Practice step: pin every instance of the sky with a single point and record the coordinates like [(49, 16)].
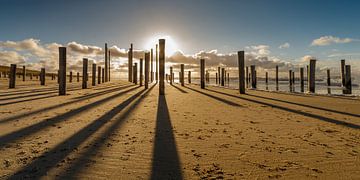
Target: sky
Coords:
[(270, 31)]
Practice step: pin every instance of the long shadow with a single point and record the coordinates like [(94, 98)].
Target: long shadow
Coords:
[(13, 136), (51, 158), (322, 118), (308, 106), (78, 99), (214, 97), (77, 165), (165, 161), (181, 90)]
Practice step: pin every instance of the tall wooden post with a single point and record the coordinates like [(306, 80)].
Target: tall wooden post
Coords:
[(241, 64), (247, 76), (311, 76), (71, 76), (23, 73), (151, 65), (58, 74), (277, 77), (182, 74), (93, 74), (130, 63), (173, 79), (157, 64), (293, 78), (228, 79), (42, 77), (189, 77), (290, 80), (219, 75), (162, 66), (222, 76), (62, 71), (141, 71), (171, 75), (147, 64), (85, 73), (12, 76), (302, 79), (342, 72), (216, 78), (109, 64), (348, 86), (202, 73), (78, 77), (253, 77), (103, 75), (328, 77), (135, 73), (99, 74), (179, 77), (106, 64)]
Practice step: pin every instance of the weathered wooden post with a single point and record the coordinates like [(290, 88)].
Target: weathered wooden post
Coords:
[(311, 76), (247, 76), (302, 79), (328, 77), (222, 76), (77, 77), (253, 77), (62, 71), (130, 63), (135, 73), (103, 75), (171, 75), (58, 74), (23, 73), (157, 59), (267, 80), (348, 86), (162, 66), (84, 74), (141, 71), (12, 76), (173, 79), (31, 76), (93, 74), (147, 64), (106, 64), (216, 78), (151, 65), (179, 77), (290, 80), (182, 74), (277, 78), (202, 73), (42, 77), (219, 75), (293, 78), (228, 79), (71, 76), (99, 74), (189, 77), (343, 72), (241, 64), (109, 63)]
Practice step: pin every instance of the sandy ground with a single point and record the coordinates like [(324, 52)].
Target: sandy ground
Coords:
[(121, 131)]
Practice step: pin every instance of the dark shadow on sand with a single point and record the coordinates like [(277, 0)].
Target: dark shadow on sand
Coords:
[(181, 90)]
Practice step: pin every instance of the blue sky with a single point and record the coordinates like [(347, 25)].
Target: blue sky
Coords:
[(195, 25)]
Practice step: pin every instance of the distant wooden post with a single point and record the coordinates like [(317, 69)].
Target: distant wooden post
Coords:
[(216, 78), (31, 76), (71, 76), (253, 77), (157, 59), (135, 74), (328, 77), (151, 65), (42, 77), (348, 86), (182, 74), (228, 79), (52, 77), (93, 78), (189, 77), (219, 75), (162, 66), (290, 80), (171, 75), (343, 72), (106, 64), (246, 76), (302, 79), (130, 63), (77, 77), (147, 64), (179, 77), (277, 77), (12, 76), (202, 73), (103, 75), (62, 71), (241, 64), (23, 73), (173, 79), (311, 76), (85, 73), (293, 78), (109, 64), (222, 76), (99, 74), (141, 71)]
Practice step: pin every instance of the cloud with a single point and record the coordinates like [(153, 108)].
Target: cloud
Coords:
[(31, 45), (84, 49), (327, 40), (284, 46), (306, 58), (11, 57), (343, 54)]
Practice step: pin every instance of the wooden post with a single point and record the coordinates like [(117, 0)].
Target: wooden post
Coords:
[(302, 79), (189, 77), (58, 74), (162, 66), (141, 71), (202, 73), (157, 59), (216, 78), (109, 63), (147, 64), (78, 77), (343, 72), (99, 74), (42, 78), (23, 73), (179, 77), (31, 76), (277, 77), (222, 76), (151, 65), (241, 64), (93, 74), (290, 80), (130, 63), (219, 74), (71, 76), (253, 77), (171, 75), (293, 78), (247, 76), (228, 79), (135, 74), (311, 76), (103, 75), (106, 64), (173, 79), (84, 74), (348, 86), (182, 74), (62, 71), (328, 77), (12, 77)]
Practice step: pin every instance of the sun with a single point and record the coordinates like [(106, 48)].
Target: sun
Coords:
[(170, 44)]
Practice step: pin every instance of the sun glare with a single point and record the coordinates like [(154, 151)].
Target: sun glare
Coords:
[(170, 45)]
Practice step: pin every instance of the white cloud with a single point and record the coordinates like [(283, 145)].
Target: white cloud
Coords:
[(327, 40), (284, 46), (307, 58), (11, 57)]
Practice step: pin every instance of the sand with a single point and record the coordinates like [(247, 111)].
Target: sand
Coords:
[(120, 131)]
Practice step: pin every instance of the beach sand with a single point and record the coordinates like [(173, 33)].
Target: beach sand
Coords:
[(119, 130)]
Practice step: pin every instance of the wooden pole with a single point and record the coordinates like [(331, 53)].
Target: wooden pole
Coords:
[(93, 74), (106, 64), (328, 77), (31, 76), (311, 76), (109, 64), (71, 76), (78, 77), (147, 64), (302, 79), (253, 77), (241, 64), (84, 74), (151, 65), (23, 73), (103, 75), (216, 78), (62, 71), (277, 77), (182, 74), (348, 86), (12, 77), (219, 74), (343, 72), (141, 71), (157, 63), (42, 77), (222, 76), (290, 80), (162, 66), (171, 75), (99, 74), (189, 77), (130, 63), (135, 74), (202, 73), (246, 76), (293, 78)]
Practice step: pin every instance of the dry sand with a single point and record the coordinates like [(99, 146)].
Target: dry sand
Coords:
[(121, 131)]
